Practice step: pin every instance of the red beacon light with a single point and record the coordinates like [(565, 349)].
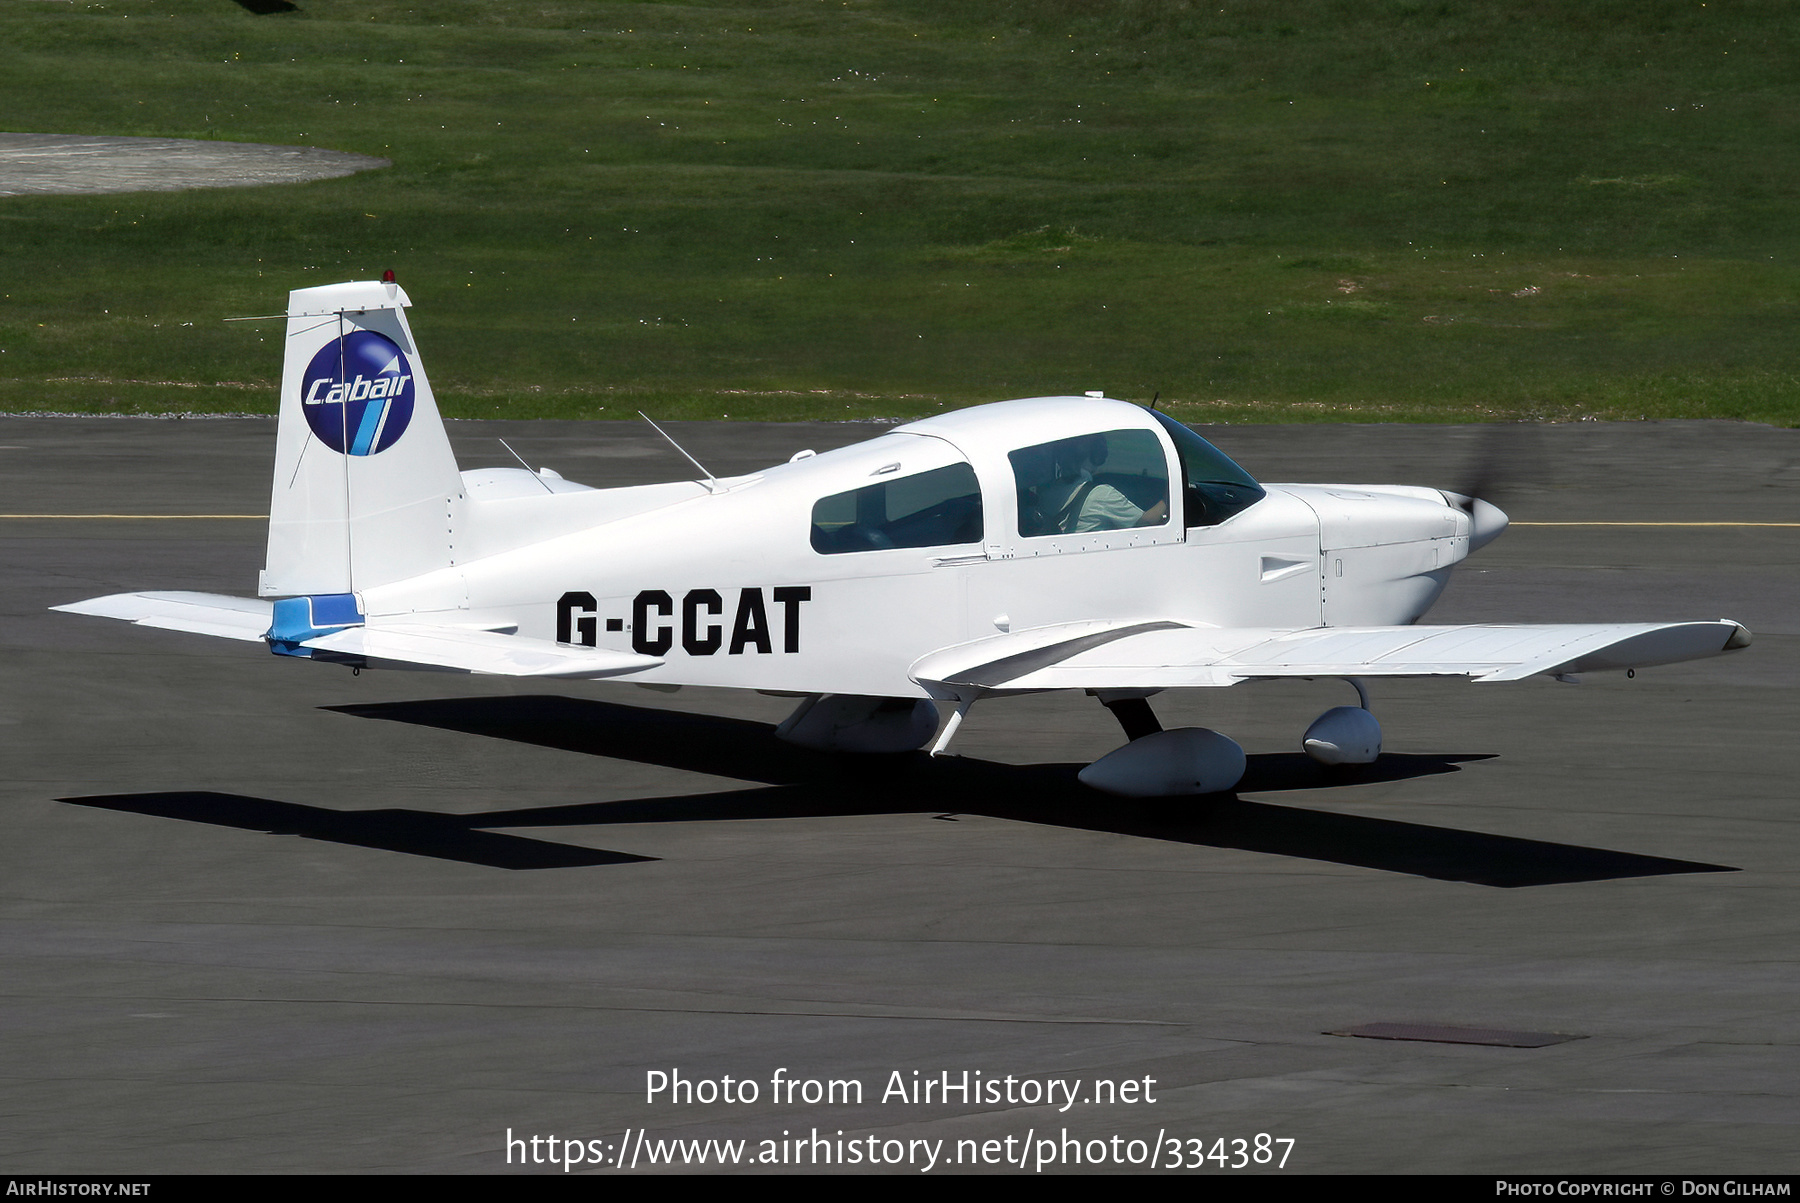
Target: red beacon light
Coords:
[(387, 277)]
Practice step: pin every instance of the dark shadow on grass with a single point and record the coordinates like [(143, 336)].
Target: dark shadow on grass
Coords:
[(266, 8), (806, 784)]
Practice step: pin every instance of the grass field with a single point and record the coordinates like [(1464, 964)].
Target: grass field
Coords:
[(1306, 210)]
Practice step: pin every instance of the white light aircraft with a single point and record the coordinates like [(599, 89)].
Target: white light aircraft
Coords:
[(1053, 543)]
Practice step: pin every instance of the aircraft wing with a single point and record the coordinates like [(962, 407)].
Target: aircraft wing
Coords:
[(408, 645), (1168, 655)]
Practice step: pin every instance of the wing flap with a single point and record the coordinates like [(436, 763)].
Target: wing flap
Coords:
[(1170, 656), (458, 649)]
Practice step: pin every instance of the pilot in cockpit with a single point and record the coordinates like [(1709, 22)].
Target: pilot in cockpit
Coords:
[(1073, 502)]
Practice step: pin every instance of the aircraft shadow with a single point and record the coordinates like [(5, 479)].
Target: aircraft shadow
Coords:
[(418, 832), (804, 784)]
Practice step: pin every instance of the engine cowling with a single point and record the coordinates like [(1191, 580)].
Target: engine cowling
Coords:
[(1169, 764)]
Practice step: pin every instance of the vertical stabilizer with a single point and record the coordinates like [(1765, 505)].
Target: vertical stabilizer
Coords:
[(365, 480)]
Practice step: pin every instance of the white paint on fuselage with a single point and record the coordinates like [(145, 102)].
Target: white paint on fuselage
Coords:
[(1386, 550), (1377, 555)]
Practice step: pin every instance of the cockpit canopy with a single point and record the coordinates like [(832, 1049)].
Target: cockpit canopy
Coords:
[(1107, 468)]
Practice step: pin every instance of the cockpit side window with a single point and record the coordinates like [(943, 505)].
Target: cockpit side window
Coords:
[(927, 509), (1092, 482), (1217, 489)]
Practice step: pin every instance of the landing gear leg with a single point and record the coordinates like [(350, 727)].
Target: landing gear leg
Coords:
[(1134, 714), (963, 702)]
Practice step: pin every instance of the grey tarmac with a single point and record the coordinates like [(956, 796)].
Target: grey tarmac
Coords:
[(259, 915)]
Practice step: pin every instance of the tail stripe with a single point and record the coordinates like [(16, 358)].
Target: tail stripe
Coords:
[(370, 427)]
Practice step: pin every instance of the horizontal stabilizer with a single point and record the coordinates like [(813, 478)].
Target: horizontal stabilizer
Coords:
[(406, 645), (1170, 656), (454, 649), (200, 613)]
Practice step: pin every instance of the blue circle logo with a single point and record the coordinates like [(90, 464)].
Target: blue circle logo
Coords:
[(357, 393)]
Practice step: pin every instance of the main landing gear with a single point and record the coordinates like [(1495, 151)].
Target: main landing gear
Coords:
[(1195, 760), (1154, 764)]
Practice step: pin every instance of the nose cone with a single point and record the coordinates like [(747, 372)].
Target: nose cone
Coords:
[(1487, 521)]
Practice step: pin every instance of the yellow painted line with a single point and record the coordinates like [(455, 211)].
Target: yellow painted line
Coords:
[(1784, 524)]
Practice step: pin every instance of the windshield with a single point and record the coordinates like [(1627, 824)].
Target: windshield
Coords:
[(1217, 489)]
